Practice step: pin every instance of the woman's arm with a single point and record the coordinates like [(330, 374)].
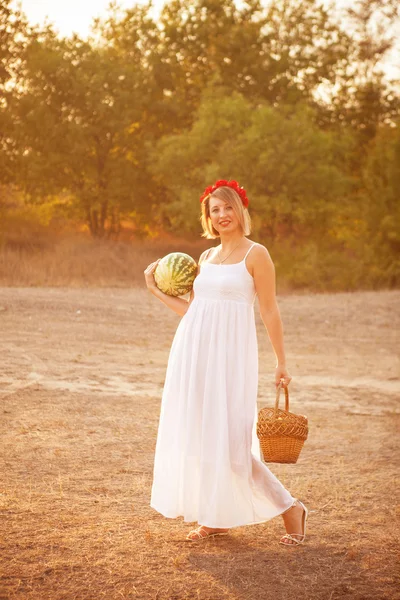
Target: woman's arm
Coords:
[(263, 271), (178, 305)]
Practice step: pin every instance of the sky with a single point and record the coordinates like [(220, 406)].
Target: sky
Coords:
[(76, 16), (70, 16)]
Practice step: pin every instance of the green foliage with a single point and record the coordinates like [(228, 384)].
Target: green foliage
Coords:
[(83, 130), (24, 226), (288, 165), (13, 38), (380, 198)]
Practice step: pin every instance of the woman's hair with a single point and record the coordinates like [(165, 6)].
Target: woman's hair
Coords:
[(229, 195)]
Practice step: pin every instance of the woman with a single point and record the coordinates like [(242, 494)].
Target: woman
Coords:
[(207, 465)]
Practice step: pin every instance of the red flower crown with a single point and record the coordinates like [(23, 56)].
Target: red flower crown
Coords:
[(232, 184)]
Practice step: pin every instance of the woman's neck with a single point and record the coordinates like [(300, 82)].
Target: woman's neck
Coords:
[(228, 242)]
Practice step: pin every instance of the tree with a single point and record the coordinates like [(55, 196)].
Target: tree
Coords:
[(292, 170), (364, 98), (14, 31), (275, 54), (379, 200), (80, 116)]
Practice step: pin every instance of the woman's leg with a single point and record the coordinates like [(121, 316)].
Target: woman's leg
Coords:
[(293, 520)]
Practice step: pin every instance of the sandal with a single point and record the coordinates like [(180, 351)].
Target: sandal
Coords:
[(201, 534), (302, 536)]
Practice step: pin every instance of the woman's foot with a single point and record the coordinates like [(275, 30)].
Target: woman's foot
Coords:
[(295, 521), (203, 532)]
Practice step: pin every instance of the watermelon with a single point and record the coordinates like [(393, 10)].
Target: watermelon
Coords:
[(175, 273)]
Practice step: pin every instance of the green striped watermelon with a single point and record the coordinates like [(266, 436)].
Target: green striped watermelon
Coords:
[(175, 274)]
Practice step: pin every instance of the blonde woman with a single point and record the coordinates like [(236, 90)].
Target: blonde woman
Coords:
[(207, 465)]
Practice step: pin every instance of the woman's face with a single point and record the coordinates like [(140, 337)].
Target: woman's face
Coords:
[(223, 216)]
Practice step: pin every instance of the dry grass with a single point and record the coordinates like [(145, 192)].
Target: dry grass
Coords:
[(72, 260), (81, 381), (77, 261), (66, 258)]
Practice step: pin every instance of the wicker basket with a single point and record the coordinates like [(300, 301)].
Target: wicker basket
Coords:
[(281, 433)]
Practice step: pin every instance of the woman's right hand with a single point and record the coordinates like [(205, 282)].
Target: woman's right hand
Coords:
[(149, 275)]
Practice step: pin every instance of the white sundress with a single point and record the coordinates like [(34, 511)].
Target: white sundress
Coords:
[(207, 465)]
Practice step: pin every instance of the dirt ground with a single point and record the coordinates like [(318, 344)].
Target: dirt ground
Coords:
[(81, 379)]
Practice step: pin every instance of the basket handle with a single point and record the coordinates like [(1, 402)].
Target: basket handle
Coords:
[(278, 391)]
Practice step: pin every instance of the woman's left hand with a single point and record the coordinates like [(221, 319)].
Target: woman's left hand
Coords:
[(281, 373)]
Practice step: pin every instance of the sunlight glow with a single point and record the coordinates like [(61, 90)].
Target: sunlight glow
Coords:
[(69, 16)]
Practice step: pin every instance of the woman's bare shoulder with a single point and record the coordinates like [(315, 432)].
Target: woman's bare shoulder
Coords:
[(259, 255), (259, 249)]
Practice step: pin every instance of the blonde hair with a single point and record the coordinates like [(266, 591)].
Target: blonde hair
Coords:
[(233, 199)]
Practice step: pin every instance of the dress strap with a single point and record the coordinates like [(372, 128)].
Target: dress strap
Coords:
[(207, 255), (248, 251)]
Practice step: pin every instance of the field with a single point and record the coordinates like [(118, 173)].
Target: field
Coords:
[(81, 379)]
